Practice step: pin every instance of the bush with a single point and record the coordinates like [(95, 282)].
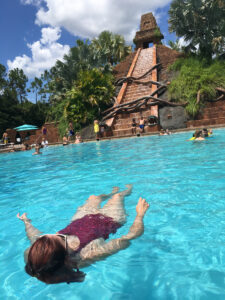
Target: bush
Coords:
[(193, 76), (90, 95)]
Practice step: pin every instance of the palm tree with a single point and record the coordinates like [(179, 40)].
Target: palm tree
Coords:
[(201, 23), (110, 48)]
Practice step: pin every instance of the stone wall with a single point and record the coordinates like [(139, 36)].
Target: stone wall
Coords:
[(213, 114), (123, 67), (36, 135), (166, 57), (172, 117), (148, 22)]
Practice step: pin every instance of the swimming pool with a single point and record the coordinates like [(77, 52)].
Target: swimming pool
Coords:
[(182, 252)]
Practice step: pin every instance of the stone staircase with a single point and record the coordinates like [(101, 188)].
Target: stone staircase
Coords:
[(212, 115), (122, 123)]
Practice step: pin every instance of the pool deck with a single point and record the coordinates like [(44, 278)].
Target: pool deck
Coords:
[(10, 148)]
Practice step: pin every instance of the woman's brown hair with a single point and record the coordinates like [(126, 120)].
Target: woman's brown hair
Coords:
[(45, 257)]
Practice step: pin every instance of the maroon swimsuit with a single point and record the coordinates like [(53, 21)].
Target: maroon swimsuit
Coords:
[(91, 227)]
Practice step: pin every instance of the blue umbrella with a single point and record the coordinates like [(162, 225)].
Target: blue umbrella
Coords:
[(26, 127)]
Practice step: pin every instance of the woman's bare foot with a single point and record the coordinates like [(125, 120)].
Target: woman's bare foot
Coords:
[(128, 191)]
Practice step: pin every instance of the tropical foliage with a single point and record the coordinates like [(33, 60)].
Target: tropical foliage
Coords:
[(201, 23), (75, 89), (109, 48), (176, 45), (81, 86), (89, 95), (196, 76), (15, 109)]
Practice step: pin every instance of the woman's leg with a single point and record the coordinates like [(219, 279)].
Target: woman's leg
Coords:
[(114, 208), (92, 204)]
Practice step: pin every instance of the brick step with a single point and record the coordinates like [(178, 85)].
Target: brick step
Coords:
[(215, 104), (135, 115), (122, 132), (212, 115), (127, 124), (214, 109), (122, 126), (133, 96), (128, 131), (143, 89), (206, 122)]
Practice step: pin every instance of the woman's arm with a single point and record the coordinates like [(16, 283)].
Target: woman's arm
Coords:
[(137, 227), (31, 231), (98, 249)]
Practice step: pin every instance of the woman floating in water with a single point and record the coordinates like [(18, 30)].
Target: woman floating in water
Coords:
[(52, 257)]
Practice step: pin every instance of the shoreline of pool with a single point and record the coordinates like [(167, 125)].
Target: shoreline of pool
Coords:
[(9, 150)]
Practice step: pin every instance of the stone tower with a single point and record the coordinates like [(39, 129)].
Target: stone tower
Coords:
[(149, 32)]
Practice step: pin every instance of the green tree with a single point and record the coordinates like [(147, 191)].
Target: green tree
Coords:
[(15, 109), (17, 83), (90, 94), (9, 111), (34, 114), (176, 45), (3, 81), (196, 77), (64, 73), (37, 88), (201, 23), (110, 48)]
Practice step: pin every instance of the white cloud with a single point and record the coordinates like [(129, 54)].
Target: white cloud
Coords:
[(44, 54), (33, 2), (182, 42), (87, 18), (50, 35)]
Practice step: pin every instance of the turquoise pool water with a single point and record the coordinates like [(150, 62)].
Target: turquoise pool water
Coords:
[(182, 252)]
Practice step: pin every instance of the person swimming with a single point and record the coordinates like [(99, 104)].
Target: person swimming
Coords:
[(198, 135), (52, 258), (78, 139)]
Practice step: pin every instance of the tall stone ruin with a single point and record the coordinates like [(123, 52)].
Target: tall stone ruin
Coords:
[(149, 32)]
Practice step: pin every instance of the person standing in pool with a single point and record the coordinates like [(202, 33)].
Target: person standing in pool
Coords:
[(37, 149), (133, 126), (96, 129), (142, 125), (44, 130), (52, 258), (5, 138), (71, 131)]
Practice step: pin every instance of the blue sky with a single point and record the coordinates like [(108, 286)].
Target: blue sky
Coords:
[(35, 33)]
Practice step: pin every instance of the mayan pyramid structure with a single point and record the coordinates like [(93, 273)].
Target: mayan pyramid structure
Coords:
[(144, 78), (137, 65)]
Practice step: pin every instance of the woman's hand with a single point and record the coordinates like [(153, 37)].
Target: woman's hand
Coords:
[(23, 217), (142, 207)]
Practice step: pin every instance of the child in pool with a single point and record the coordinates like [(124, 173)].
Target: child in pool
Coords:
[(52, 257)]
